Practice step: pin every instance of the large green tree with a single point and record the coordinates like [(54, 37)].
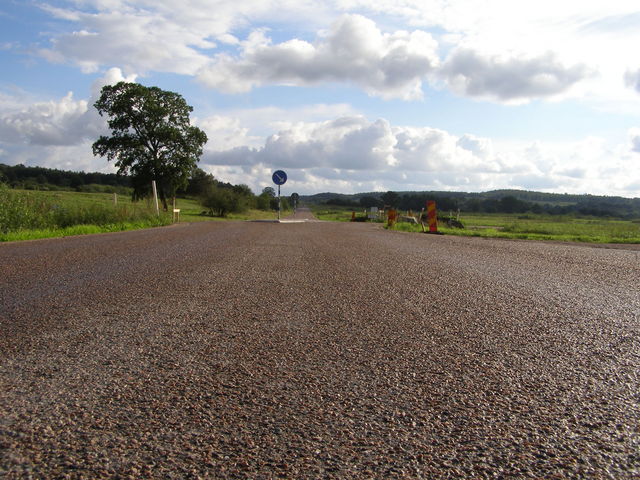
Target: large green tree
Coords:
[(151, 137)]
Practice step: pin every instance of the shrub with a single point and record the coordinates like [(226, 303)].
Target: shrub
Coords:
[(222, 201), (22, 210)]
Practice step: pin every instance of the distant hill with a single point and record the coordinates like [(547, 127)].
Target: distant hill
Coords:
[(495, 201)]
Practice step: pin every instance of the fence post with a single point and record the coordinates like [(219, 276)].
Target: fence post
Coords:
[(155, 196)]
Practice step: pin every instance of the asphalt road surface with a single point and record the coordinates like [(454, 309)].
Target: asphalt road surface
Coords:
[(317, 350)]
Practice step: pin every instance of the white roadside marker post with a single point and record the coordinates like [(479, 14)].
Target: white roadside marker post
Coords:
[(155, 196)]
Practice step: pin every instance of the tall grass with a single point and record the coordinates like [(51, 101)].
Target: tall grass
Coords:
[(22, 212)]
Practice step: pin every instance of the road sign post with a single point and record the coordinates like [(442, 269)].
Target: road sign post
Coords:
[(279, 178)]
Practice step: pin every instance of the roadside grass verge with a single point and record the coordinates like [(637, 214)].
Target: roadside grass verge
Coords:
[(541, 227), (200, 215), (79, 230), (39, 214), (31, 214), (334, 214), (565, 228)]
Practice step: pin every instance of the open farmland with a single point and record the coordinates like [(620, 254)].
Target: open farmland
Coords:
[(568, 228)]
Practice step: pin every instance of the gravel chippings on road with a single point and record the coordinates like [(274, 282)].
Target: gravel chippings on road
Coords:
[(317, 350)]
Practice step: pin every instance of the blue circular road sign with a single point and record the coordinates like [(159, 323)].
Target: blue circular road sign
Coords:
[(279, 177)]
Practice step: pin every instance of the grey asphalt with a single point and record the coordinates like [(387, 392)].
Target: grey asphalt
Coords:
[(317, 350)]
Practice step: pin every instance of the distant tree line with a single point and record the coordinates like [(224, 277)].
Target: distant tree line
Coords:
[(41, 178), (219, 198), (226, 198), (494, 202)]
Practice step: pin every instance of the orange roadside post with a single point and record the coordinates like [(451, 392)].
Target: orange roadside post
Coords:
[(432, 216), (392, 216)]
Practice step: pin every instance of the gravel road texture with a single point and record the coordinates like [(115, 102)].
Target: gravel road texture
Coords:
[(317, 350)]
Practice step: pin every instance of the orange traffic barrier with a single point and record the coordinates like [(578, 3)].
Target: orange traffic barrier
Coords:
[(432, 216), (392, 216)]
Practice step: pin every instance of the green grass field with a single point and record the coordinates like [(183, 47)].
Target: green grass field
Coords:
[(519, 226), (26, 215), (333, 214), (45, 214)]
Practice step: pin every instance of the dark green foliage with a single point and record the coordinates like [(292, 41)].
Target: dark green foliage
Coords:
[(343, 202), (267, 200), (199, 182), (497, 201), (242, 190), (151, 137), (263, 201), (221, 201), (419, 201), (390, 199), (269, 191), (284, 203), (511, 204), (369, 201), (95, 188), (40, 178)]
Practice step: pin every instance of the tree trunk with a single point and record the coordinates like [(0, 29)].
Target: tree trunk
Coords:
[(163, 199)]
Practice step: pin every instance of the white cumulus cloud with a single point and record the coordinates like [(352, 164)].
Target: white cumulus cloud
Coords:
[(195, 39), (509, 79), (225, 133), (352, 153), (634, 137), (159, 35), (356, 144), (135, 40), (632, 79), (65, 121), (354, 51)]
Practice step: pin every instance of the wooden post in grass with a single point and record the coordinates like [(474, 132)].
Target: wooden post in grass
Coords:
[(176, 211), (115, 199), (155, 196)]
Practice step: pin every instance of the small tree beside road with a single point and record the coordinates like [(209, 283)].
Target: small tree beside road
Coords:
[(151, 137)]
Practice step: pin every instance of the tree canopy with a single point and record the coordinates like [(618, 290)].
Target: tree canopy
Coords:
[(151, 137), (390, 198)]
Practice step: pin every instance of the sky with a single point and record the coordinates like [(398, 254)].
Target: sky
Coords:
[(344, 95)]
